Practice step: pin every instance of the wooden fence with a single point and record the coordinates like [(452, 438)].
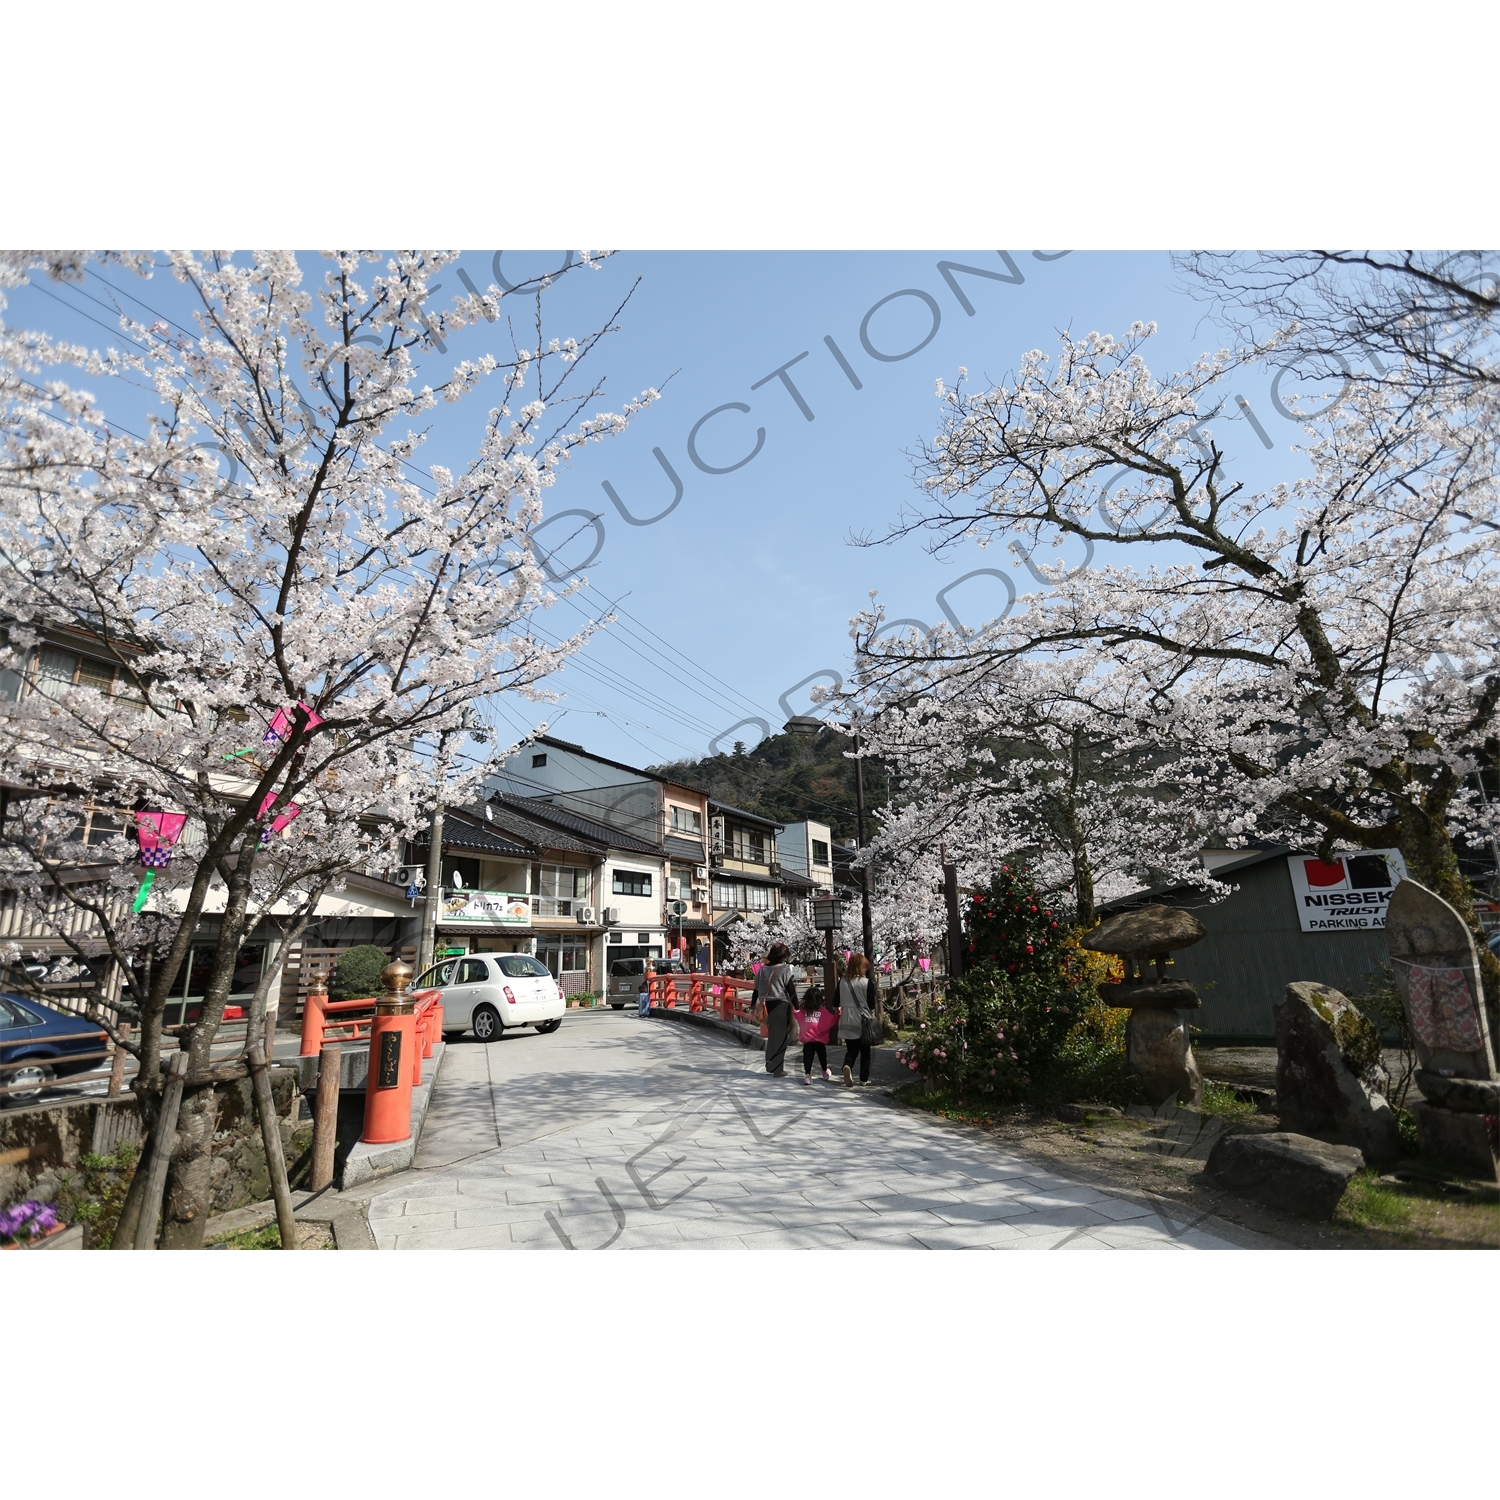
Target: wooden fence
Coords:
[(302, 963)]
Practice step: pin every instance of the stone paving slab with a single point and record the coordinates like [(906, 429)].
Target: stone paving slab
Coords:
[(621, 1134)]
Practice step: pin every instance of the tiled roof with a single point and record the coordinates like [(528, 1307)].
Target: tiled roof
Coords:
[(739, 812), (463, 832), (547, 816)]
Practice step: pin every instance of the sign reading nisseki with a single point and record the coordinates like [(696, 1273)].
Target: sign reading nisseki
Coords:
[(1349, 893)]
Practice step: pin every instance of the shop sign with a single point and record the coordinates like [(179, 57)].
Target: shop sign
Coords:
[(488, 907)]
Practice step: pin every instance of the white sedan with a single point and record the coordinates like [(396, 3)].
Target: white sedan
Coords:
[(487, 993)]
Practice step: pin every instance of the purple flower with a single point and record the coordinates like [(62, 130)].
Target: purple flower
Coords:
[(31, 1219)]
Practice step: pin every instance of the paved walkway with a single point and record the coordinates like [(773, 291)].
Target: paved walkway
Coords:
[(620, 1133)]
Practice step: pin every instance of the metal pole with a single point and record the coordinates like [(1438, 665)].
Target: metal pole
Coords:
[(434, 892)]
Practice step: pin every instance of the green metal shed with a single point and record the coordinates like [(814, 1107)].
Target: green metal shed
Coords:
[(1255, 947)]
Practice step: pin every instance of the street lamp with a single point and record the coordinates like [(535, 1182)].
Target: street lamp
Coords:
[(806, 724)]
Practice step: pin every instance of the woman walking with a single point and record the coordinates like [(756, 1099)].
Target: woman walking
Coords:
[(775, 989), (856, 1018)]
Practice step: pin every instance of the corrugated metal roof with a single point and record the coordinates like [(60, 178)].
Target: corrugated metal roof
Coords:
[(684, 848)]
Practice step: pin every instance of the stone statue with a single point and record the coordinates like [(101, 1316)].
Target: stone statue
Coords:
[(1437, 972), (1157, 1045)]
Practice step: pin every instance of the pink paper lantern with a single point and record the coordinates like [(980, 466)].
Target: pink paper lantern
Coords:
[(924, 964), (159, 830)]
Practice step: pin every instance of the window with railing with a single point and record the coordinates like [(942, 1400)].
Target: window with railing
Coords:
[(730, 895)]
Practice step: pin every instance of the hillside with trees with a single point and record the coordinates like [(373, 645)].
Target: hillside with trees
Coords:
[(789, 777)]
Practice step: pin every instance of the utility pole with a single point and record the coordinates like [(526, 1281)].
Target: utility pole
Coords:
[(867, 926)]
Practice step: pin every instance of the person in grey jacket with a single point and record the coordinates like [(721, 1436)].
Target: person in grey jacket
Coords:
[(856, 1018), (775, 988)]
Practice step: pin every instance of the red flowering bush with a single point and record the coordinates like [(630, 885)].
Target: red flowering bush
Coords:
[(1015, 1028), (1012, 925)]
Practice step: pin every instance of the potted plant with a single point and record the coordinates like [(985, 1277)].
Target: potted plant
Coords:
[(27, 1223)]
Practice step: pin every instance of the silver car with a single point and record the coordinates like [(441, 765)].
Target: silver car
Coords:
[(488, 993), (625, 977)]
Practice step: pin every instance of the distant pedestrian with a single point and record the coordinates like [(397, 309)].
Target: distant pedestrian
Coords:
[(776, 991), (856, 1019), (814, 1023), (643, 999)]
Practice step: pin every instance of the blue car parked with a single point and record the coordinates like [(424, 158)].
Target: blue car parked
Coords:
[(47, 1044)]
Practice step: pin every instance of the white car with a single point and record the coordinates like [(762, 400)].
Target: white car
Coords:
[(488, 993)]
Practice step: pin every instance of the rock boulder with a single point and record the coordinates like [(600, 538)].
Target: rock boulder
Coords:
[(1290, 1172), (1327, 1054)]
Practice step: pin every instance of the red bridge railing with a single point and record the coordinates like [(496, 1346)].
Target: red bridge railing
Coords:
[(730, 999)]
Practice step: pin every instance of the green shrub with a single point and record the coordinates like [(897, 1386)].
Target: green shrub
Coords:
[(94, 1193), (358, 973), (996, 1036), (1091, 1064), (1011, 926)]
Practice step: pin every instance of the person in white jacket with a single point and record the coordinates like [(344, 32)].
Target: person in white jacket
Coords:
[(856, 1019)]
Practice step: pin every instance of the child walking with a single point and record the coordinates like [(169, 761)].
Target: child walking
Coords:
[(815, 1023)]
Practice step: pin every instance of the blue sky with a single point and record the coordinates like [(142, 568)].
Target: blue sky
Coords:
[(746, 587)]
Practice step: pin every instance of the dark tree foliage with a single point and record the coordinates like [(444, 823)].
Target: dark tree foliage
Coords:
[(358, 973), (1012, 925)]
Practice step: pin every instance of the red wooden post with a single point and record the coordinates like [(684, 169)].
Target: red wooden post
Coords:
[(314, 1016), (393, 1037)]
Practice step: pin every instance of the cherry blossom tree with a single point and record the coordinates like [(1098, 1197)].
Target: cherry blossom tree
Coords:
[(1323, 654), (1406, 318), (288, 609), (1041, 761)]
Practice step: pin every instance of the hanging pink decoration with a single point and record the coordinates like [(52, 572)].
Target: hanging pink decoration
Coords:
[(281, 819), (284, 722), (924, 964), (156, 832)]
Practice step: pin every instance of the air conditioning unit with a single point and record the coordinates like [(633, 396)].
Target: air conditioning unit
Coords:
[(611, 915), (586, 915), (700, 872), (700, 895), (674, 890), (716, 835), (410, 875)]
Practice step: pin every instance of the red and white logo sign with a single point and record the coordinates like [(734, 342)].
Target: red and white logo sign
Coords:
[(1348, 893)]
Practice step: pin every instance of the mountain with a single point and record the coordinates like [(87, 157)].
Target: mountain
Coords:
[(789, 777)]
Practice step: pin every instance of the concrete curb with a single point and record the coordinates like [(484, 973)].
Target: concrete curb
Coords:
[(746, 1036), (365, 1162)]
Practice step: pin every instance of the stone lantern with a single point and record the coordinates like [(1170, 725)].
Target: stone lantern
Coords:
[(1156, 1037)]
